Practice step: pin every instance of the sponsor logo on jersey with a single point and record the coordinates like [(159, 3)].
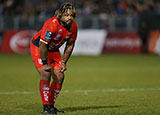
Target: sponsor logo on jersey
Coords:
[(60, 30), (58, 35), (39, 61), (48, 35), (67, 37), (54, 20)]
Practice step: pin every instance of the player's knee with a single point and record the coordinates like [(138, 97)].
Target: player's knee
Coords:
[(58, 77), (46, 78), (44, 75), (60, 80)]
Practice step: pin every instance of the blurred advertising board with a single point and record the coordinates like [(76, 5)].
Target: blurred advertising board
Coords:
[(154, 42), (17, 41), (89, 42), (122, 42)]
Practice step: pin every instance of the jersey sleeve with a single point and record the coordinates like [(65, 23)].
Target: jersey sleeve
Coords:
[(48, 31), (75, 31)]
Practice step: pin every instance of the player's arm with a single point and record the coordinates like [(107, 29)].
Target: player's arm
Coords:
[(68, 50), (69, 47), (67, 53), (43, 49), (43, 53), (70, 44), (46, 36)]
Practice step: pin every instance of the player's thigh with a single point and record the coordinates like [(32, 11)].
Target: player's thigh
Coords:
[(55, 59), (38, 62)]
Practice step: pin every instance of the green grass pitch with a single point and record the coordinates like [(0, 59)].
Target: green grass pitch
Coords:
[(110, 84)]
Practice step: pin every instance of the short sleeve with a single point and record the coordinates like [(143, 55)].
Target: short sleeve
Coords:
[(48, 31), (74, 29)]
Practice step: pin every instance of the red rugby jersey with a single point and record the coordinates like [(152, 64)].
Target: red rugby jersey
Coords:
[(54, 33)]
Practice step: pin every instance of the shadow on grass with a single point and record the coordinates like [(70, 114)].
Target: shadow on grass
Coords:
[(89, 107)]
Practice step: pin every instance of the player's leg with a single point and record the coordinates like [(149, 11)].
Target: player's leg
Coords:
[(56, 87), (44, 84), (58, 77), (45, 91)]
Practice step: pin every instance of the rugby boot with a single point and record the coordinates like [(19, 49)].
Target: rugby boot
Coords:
[(56, 110), (47, 110)]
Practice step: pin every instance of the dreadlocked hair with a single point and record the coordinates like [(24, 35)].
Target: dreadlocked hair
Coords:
[(63, 8)]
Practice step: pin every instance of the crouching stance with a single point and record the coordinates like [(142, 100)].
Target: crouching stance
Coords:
[(46, 55)]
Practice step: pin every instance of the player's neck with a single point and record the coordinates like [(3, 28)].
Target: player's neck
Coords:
[(62, 23), (67, 26)]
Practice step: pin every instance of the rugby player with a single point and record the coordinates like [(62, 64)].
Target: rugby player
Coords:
[(46, 56)]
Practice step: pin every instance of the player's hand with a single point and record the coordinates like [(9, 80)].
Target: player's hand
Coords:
[(63, 67), (47, 67)]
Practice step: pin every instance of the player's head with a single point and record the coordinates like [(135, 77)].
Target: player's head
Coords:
[(66, 13), (63, 9)]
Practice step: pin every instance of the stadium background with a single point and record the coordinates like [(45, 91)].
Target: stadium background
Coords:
[(115, 66), (138, 17)]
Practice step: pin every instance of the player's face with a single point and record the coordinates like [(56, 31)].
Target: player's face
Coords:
[(67, 16)]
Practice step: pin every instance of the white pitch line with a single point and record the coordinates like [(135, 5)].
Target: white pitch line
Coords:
[(16, 92), (115, 90), (88, 91)]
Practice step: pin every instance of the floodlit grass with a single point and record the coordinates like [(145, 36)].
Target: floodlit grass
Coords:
[(110, 84)]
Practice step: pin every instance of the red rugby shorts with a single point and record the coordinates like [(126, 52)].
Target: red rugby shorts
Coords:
[(54, 58)]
